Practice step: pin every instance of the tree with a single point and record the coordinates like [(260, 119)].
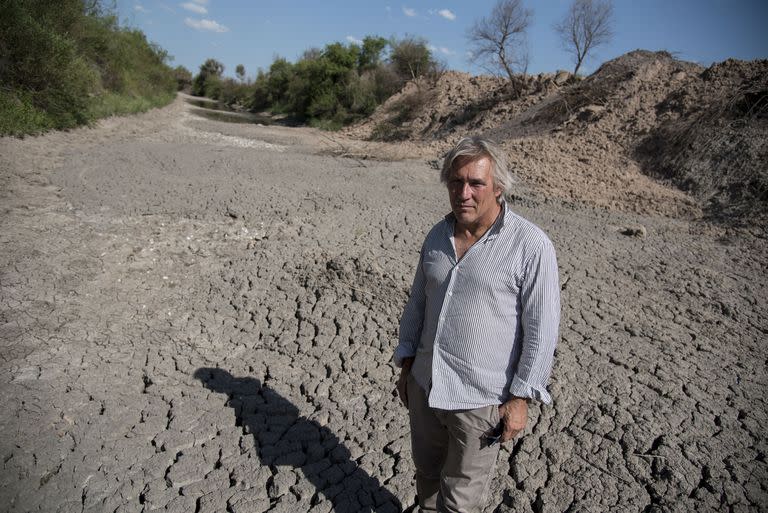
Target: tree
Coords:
[(586, 25), (210, 73), (411, 57), (500, 39), (240, 72), (370, 55), (280, 73), (211, 67), (183, 77)]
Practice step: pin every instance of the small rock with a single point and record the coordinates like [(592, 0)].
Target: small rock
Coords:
[(246, 501), (561, 77), (634, 231), (281, 483), (187, 470), (590, 113)]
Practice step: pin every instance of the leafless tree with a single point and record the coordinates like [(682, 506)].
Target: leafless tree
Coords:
[(586, 25), (499, 40)]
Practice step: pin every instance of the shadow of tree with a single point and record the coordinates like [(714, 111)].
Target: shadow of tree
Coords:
[(286, 439)]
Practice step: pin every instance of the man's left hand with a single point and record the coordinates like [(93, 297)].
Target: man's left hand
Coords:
[(514, 417)]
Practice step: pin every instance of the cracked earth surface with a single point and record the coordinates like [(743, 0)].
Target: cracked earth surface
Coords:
[(200, 317)]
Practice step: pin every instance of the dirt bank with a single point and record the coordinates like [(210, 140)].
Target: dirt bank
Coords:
[(618, 138), (200, 317)]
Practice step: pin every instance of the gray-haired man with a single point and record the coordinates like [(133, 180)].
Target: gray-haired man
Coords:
[(478, 334)]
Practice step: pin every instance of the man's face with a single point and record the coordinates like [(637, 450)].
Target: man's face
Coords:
[(473, 195)]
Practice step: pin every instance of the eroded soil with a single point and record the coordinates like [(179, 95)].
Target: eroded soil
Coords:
[(200, 317)]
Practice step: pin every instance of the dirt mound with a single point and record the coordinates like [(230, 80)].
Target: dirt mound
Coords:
[(447, 107), (618, 138), (714, 141)]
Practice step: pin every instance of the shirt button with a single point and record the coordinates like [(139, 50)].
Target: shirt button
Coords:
[(450, 293)]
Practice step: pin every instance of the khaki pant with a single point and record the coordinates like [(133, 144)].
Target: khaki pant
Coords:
[(453, 459)]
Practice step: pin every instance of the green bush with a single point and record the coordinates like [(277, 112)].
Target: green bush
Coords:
[(20, 116), (207, 81), (183, 78), (63, 65), (327, 87)]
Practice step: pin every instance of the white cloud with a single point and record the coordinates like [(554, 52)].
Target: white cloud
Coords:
[(201, 2), (211, 25), (441, 49), (448, 15), (409, 12), (354, 40), (139, 8), (195, 7)]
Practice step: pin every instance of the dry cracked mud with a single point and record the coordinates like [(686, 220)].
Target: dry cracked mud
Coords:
[(200, 317)]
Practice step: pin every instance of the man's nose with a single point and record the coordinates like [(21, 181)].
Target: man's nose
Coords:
[(466, 191)]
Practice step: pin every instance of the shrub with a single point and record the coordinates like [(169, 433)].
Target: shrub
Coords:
[(183, 78), (67, 63), (327, 87)]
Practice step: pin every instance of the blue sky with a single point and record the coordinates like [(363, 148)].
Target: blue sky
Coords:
[(252, 33)]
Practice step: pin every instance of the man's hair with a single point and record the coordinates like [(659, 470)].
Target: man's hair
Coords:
[(473, 148)]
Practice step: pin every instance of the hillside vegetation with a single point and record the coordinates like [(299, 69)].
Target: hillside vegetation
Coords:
[(67, 65), (329, 87)]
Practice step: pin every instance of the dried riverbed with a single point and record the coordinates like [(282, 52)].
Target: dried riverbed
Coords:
[(200, 317)]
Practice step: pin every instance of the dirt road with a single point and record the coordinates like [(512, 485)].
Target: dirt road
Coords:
[(200, 317)]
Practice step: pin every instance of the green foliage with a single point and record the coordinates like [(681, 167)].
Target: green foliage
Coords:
[(208, 81), (60, 61), (326, 87), (212, 67), (411, 57), (278, 78), (43, 70), (115, 104), (371, 52), (259, 99), (20, 116), (183, 78)]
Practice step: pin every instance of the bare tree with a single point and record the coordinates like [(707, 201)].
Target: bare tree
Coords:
[(586, 25), (500, 39)]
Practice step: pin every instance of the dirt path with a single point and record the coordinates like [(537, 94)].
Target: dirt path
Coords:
[(200, 317)]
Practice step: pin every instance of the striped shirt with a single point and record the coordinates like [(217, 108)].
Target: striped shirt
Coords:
[(483, 328)]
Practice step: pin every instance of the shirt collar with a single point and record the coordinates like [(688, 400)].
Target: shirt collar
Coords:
[(495, 228)]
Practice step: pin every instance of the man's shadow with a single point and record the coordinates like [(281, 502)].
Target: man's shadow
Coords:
[(283, 438)]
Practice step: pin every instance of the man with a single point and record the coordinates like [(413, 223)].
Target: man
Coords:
[(478, 333)]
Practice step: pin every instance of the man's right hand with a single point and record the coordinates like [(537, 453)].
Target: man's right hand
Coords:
[(402, 381)]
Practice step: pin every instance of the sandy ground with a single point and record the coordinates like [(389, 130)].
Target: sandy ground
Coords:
[(200, 317)]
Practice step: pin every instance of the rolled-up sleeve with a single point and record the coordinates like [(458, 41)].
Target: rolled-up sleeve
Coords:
[(540, 302), (412, 320)]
